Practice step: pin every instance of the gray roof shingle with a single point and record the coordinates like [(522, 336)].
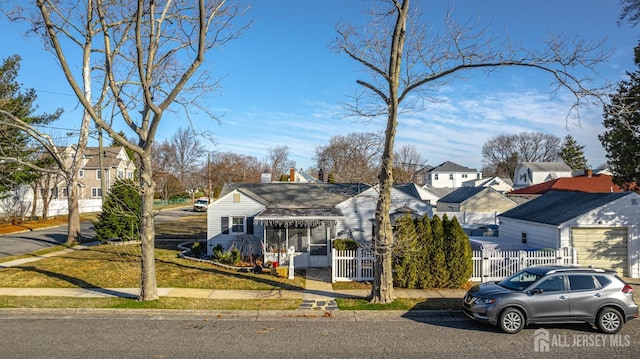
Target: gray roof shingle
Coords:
[(449, 166), (558, 207), (461, 194), (297, 195)]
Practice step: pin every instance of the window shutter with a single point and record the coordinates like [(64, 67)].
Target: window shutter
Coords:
[(224, 224), (249, 225)]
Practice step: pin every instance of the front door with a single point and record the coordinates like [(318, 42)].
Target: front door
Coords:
[(319, 247)]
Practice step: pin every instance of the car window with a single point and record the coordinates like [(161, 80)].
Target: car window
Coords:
[(603, 280), (552, 284), (519, 281), (581, 282)]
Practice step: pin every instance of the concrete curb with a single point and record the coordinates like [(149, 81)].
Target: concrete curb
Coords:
[(230, 315)]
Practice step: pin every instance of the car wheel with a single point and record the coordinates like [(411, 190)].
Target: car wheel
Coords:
[(609, 321), (511, 320)]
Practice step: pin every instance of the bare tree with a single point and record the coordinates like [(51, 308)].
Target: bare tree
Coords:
[(150, 56), (351, 158), (501, 154), (407, 161), (225, 167), (181, 156), (403, 59), (278, 159)]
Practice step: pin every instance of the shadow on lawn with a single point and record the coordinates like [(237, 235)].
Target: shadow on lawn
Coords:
[(79, 282)]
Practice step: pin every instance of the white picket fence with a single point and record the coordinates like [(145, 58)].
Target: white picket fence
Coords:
[(354, 265), (496, 265), (488, 265)]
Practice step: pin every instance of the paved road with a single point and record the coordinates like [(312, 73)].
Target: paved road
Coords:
[(26, 242), (224, 336)]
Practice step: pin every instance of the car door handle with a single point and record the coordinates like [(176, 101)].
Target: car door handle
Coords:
[(563, 297), (598, 295)]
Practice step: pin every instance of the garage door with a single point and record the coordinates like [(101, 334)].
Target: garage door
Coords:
[(602, 247)]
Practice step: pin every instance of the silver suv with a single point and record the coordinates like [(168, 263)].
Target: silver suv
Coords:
[(553, 294)]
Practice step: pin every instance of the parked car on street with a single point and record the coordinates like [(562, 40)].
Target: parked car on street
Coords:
[(553, 294), (201, 205)]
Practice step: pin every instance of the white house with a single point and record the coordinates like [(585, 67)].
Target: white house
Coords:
[(115, 164), (531, 173), (502, 185), (603, 228), (307, 216), (450, 175)]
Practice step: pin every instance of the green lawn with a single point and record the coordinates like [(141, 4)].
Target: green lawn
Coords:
[(109, 266)]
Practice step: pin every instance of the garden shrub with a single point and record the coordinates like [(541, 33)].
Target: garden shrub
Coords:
[(345, 244)]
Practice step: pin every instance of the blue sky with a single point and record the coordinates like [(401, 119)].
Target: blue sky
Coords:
[(281, 85)]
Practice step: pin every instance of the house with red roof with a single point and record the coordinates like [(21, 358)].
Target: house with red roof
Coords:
[(587, 182)]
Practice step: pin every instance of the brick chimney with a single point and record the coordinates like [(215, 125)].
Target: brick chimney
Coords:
[(588, 172), (292, 174)]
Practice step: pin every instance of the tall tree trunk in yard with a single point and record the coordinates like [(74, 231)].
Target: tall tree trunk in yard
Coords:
[(148, 287), (382, 289)]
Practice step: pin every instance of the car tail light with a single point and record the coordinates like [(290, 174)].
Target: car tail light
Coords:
[(627, 289)]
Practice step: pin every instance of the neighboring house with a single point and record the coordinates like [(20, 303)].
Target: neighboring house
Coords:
[(431, 194), (502, 185), (450, 175), (306, 216), (116, 164), (531, 173), (603, 228), (475, 199), (588, 182)]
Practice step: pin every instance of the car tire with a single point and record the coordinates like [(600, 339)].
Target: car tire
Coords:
[(609, 321), (511, 320)]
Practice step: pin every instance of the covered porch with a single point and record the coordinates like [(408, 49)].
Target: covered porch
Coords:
[(308, 231)]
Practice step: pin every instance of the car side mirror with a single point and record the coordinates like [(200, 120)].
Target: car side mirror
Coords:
[(536, 291)]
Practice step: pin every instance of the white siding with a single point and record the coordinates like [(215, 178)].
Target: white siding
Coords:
[(538, 235), (622, 213), (226, 207), (451, 179), (359, 211)]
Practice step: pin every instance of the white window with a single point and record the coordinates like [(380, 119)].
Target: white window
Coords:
[(120, 173), (65, 192), (464, 175), (81, 173), (237, 224), (96, 192), (450, 176), (98, 174), (435, 176), (129, 175)]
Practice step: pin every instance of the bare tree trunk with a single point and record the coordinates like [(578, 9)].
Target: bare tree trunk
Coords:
[(382, 289), (75, 235), (148, 287)]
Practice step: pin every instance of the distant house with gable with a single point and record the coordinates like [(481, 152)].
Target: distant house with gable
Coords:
[(450, 175), (499, 184), (532, 173)]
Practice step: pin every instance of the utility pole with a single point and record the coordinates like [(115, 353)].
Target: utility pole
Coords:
[(209, 177), (101, 155)]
